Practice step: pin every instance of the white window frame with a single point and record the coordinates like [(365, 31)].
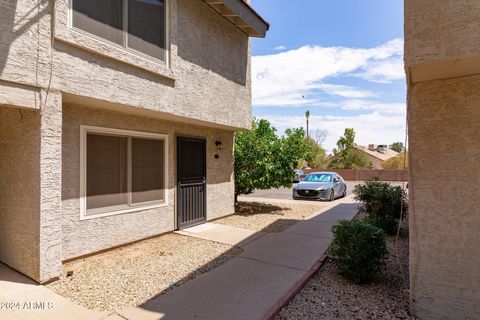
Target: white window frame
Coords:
[(84, 130), (126, 48)]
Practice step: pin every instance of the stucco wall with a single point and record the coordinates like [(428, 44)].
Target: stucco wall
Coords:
[(206, 78), (208, 74), (20, 189), (50, 135), (441, 30), (86, 236), (444, 118)]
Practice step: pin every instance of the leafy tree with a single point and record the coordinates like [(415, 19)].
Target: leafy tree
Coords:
[(397, 146), (396, 163), (345, 143), (264, 160), (346, 156), (317, 156), (355, 159)]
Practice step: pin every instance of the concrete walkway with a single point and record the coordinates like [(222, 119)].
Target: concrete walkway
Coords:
[(254, 284), (251, 286), (21, 298), (221, 233)]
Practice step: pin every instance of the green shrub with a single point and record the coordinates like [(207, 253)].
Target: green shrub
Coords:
[(360, 249), (381, 203)]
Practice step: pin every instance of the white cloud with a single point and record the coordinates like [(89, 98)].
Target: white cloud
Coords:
[(343, 91), (286, 77), (375, 127), (384, 71), (280, 48), (303, 97), (384, 107)]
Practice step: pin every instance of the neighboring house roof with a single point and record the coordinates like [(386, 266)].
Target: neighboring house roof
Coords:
[(383, 156), (241, 14)]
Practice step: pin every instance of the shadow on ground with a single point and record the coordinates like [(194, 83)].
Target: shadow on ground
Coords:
[(159, 307)]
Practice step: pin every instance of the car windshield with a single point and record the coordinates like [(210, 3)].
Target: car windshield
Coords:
[(318, 178)]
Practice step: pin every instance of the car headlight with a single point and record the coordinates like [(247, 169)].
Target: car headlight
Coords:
[(322, 189)]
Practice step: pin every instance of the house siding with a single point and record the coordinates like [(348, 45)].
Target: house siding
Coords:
[(442, 43), (19, 189), (441, 30), (209, 63), (66, 81), (81, 237), (444, 219)]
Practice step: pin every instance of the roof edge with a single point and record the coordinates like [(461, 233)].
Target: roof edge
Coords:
[(242, 15)]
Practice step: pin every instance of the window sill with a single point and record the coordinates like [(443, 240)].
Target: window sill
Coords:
[(89, 43), (84, 216)]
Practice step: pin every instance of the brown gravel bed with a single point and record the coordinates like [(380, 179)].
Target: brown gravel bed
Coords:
[(270, 217), (329, 296), (131, 275)]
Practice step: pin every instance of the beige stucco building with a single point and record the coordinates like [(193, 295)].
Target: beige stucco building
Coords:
[(377, 155), (116, 121), (442, 56)]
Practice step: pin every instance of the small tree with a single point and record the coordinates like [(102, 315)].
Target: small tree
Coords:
[(317, 157), (398, 162), (355, 159), (264, 160), (345, 143), (397, 146), (346, 156)]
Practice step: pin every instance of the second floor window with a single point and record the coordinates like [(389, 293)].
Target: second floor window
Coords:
[(136, 24)]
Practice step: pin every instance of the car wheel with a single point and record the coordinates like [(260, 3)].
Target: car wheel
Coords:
[(332, 195)]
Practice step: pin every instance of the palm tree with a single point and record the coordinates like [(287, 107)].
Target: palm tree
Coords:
[(307, 115)]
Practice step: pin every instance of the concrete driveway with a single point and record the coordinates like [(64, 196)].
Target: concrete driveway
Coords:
[(286, 193)]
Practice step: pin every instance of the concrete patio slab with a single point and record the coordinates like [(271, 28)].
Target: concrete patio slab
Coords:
[(239, 289), (288, 250), (27, 300), (222, 233), (312, 228)]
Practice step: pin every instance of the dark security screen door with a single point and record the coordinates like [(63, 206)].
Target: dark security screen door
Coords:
[(191, 181)]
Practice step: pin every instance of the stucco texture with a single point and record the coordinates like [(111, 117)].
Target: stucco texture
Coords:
[(85, 236), (204, 86), (209, 62), (30, 184), (207, 75), (19, 189), (444, 216), (441, 30)]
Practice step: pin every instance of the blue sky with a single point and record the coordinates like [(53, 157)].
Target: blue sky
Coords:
[(340, 59)]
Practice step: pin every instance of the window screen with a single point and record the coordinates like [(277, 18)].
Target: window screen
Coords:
[(136, 24), (123, 171), (146, 27), (103, 18), (147, 170), (106, 171)]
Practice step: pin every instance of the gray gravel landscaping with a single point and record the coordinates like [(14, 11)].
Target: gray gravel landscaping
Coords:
[(270, 216), (130, 275), (329, 296)]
